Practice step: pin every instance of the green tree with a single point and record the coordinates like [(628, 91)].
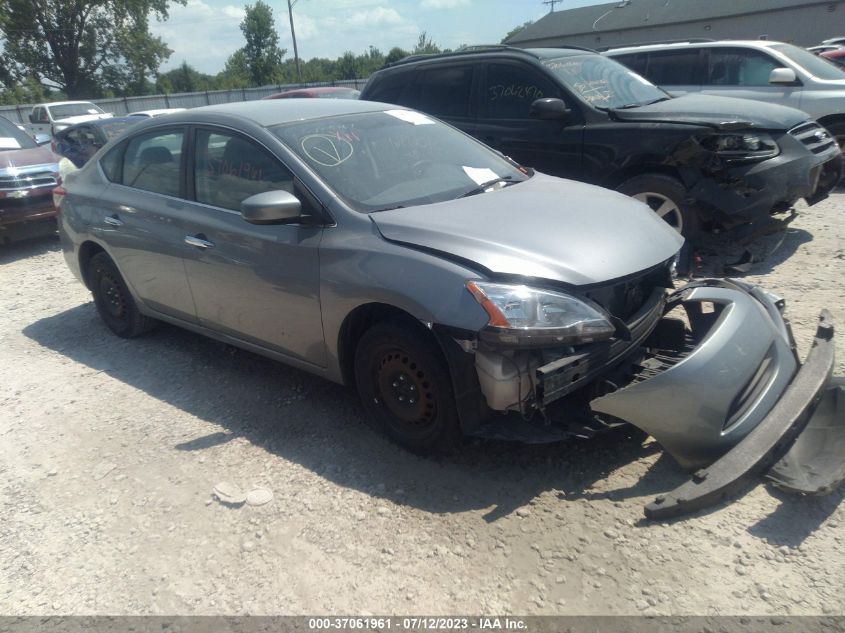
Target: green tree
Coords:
[(262, 53), (185, 78), (395, 54), (348, 66), (515, 30), (83, 46), (425, 45)]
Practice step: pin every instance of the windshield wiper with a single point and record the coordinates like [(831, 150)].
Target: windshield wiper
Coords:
[(484, 186), (629, 106)]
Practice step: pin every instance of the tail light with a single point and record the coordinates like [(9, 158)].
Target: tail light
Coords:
[(59, 194)]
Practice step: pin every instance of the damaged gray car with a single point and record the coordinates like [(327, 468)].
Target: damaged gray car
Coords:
[(459, 292)]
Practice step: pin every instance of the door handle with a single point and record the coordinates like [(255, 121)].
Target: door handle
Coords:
[(198, 241), (113, 220)]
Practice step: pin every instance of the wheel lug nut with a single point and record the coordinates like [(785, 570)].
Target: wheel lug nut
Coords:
[(401, 398), (395, 384), (402, 378), (413, 388), (412, 401)]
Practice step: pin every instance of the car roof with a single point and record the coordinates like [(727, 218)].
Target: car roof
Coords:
[(277, 111), (674, 45), (55, 103), (496, 50)]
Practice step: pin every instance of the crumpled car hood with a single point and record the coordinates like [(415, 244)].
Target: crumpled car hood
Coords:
[(716, 111), (545, 227)]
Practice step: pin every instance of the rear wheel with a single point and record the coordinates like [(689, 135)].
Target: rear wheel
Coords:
[(114, 302), (837, 130), (404, 385), (665, 196)]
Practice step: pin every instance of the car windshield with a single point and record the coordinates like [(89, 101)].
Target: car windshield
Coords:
[(379, 161), (73, 109), (603, 82), (812, 64), (12, 137)]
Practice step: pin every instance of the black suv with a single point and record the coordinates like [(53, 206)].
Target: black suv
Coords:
[(696, 160)]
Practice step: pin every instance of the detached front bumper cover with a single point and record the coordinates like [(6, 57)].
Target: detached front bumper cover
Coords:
[(763, 445)]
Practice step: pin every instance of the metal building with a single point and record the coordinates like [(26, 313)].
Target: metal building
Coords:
[(626, 22)]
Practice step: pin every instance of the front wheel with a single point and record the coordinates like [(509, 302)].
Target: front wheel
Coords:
[(837, 130), (113, 300), (665, 196), (404, 385)]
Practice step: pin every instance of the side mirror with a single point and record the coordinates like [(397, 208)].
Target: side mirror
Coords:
[(42, 139), (272, 207), (783, 76), (550, 109), (32, 118)]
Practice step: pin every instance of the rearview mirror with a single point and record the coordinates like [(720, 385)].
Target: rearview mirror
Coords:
[(42, 139), (272, 207), (783, 76), (550, 109)]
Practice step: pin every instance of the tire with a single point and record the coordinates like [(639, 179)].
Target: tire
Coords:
[(665, 195), (404, 386), (114, 302)]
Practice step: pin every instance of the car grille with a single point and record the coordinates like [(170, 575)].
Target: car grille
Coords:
[(28, 180), (817, 139), (624, 299)]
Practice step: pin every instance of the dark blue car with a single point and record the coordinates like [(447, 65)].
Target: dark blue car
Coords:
[(80, 142)]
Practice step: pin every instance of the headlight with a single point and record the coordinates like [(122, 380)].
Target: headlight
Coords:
[(747, 147), (525, 316)]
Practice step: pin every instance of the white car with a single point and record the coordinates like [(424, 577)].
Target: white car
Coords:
[(155, 113), (755, 69), (49, 118)]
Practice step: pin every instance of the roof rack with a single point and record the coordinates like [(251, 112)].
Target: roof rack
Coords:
[(466, 50), (684, 40)]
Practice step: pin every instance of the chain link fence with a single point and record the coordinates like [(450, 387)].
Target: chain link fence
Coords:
[(124, 105)]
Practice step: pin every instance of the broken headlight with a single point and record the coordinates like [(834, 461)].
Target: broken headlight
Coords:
[(744, 147), (534, 317)]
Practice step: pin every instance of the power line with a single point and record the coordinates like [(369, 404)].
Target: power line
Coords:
[(552, 4)]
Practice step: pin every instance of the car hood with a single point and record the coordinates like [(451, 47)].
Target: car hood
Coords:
[(719, 112), (28, 157), (82, 118), (545, 227)]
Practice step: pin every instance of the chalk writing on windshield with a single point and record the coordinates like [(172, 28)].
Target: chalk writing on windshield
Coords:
[(329, 150)]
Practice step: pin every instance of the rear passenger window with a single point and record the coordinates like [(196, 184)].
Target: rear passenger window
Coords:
[(389, 89), (636, 62), (739, 67), (673, 68), (152, 161), (229, 169), (512, 89), (443, 92), (112, 162)]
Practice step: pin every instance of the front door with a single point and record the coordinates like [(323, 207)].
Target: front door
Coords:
[(258, 283), (505, 122)]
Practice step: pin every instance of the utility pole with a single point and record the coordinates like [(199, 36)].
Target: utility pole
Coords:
[(291, 3), (552, 4)]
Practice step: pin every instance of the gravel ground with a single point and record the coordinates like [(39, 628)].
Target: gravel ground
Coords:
[(109, 450)]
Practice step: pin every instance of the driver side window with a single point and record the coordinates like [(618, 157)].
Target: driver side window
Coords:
[(511, 90), (229, 169)]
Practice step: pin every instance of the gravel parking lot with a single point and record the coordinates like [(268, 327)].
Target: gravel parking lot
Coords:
[(109, 450)]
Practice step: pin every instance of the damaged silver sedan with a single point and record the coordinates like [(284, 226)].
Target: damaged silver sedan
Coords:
[(459, 292)]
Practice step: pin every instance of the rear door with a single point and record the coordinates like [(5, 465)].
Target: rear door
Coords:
[(678, 72), (505, 122), (447, 92), (140, 219), (259, 283)]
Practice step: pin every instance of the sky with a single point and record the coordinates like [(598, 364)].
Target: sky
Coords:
[(205, 32)]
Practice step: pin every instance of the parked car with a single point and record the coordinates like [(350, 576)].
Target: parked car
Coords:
[(836, 41), (325, 92), (765, 71), (28, 174), (50, 118), (80, 142), (571, 112), (823, 48), (378, 247), (155, 112), (837, 56)]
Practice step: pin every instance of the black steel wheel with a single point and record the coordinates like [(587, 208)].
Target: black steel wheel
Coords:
[(404, 385), (113, 300)]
